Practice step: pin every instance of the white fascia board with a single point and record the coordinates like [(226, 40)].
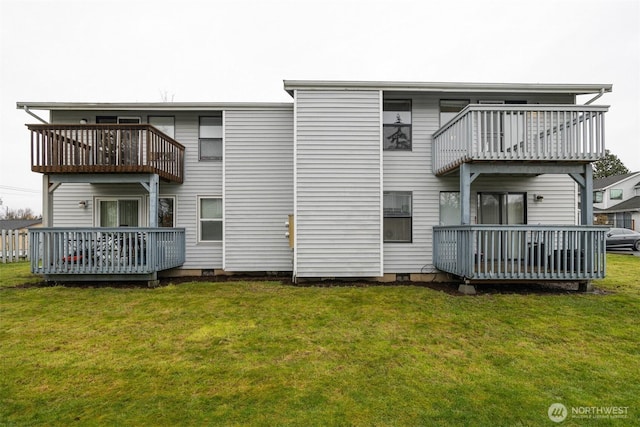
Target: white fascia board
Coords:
[(154, 106), (577, 89)]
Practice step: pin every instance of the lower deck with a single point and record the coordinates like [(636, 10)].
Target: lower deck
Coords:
[(105, 253), (522, 252)]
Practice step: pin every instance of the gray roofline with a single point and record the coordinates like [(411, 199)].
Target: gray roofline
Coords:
[(632, 175), (576, 89), (154, 106)]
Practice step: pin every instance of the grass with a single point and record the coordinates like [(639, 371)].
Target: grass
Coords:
[(263, 353)]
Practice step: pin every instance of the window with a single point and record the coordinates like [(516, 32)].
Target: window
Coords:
[(397, 216), (118, 212), (502, 208), (210, 138), (210, 218), (450, 208), (165, 212), (449, 108), (615, 194), (165, 124), (397, 124), (597, 196)]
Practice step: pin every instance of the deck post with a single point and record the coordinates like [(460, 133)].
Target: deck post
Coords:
[(154, 190), (47, 202), (586, 196), (465, 193)]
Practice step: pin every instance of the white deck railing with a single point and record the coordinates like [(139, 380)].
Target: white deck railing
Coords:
[(105, 250), (521, 252), (520, 133)]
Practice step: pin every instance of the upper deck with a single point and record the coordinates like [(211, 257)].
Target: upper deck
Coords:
[(520, 133)]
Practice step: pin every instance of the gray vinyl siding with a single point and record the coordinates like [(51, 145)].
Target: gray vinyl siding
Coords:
[(200, 179), (258, 197), (338, 188), (411, 171)]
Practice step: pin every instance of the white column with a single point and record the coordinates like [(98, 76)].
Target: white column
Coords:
[(154, 191)]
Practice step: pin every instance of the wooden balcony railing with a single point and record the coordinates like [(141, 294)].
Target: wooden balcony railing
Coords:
[(541, 133), (97, 251), (521, 252), (105, 148)]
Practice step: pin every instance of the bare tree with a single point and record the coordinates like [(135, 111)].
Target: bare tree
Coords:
[(26, 213)]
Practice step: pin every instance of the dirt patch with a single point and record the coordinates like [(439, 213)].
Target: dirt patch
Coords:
[(527, 288)]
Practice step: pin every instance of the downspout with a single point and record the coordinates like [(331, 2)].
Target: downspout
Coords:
[(31, 113), (595, 97)]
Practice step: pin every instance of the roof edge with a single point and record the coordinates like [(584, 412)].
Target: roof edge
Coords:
[(576, 89), (152, 106)]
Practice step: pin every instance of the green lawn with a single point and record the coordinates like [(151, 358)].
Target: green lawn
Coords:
[(263, 353)]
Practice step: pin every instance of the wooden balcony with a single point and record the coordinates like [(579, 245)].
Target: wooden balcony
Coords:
[(75, 252), (520, 252), (520, 133), (105, 148)]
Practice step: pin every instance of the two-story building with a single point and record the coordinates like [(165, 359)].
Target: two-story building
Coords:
[(616, 199), (386, 180)]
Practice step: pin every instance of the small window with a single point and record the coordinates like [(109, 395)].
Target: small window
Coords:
[(210, 218), (597, 196), (398, 216), (166, 217), (449, 108), (397, 124), (450, 208), (165, 124), (615, 194), (210, 138)]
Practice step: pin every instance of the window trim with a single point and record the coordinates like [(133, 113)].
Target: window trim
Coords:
[(386, 125), (163, 196), (150, 117), (200, 219), (611, 193), (598, 196), (440, 194), (410, 216), (98, 199), (201, 140)]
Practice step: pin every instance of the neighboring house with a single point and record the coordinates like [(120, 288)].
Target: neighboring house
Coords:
[(14, 240), (618, 198), (386, 180), (19, 224)]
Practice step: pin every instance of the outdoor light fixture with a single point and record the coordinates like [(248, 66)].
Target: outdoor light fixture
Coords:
[(82, 204)]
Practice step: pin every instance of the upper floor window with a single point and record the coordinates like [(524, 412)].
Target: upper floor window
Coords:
[(397, 124), (615, 194), (597, 197), (398, 216), (449, 108), (210, 138), (165, 124)]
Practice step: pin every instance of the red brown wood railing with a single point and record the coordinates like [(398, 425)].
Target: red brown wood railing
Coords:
[(105, 148)]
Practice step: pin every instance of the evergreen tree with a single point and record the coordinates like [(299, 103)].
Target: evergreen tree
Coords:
[(609, 165)]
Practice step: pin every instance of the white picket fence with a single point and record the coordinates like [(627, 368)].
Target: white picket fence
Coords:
[(14, 245)]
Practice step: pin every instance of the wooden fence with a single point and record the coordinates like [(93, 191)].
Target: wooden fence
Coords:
[(14, 245)]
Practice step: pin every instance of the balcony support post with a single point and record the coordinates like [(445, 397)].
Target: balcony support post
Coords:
[(467, 176), (584, 179), (154, 190)]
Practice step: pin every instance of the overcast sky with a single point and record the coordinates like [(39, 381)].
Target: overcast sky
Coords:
[(227, 51)]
